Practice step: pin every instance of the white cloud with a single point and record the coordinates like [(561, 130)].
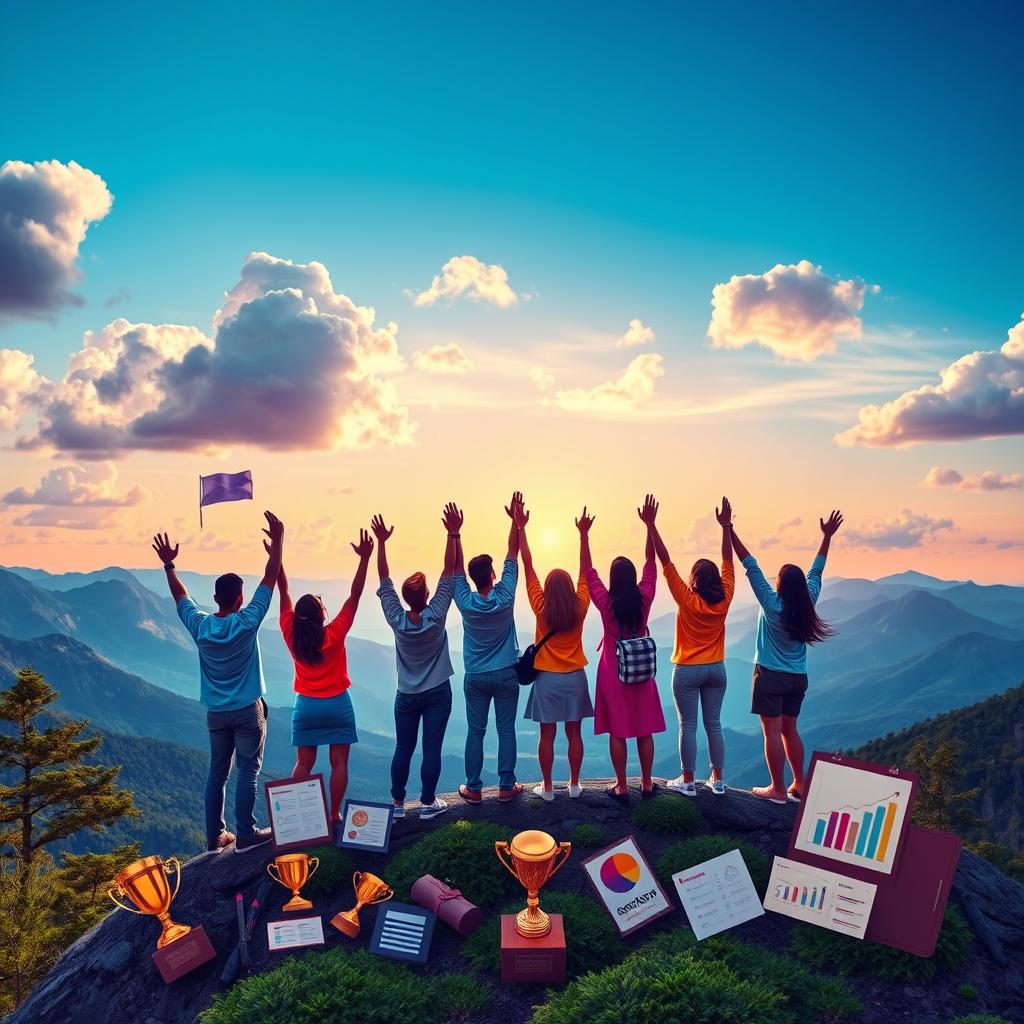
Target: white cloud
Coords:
[(443, 359), (907, 530), (794, 310), (19, 383), (637, 333), (541, 378), (980, 395), (63, 519), (631, 390), (45, 211), (91, 486), (989, 480), (292, 365), (466, 276)]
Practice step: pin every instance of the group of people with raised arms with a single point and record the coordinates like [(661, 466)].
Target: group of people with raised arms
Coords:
[(624, 707)]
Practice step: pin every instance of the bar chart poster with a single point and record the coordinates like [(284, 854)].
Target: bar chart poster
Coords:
[(820, 897), (854, 816)]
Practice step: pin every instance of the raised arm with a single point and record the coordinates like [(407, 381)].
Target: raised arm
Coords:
[(521, 517), (363, 549), (452, 520), (828, 531), (648, 513), (275, 531), (283, 596), (383, 534), (167, 555), (724, 517), (583, 524), (513, 531), (738, 546)]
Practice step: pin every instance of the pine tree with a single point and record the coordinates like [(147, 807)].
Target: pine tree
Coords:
[(940, 805), (52, 793), (86, 878)]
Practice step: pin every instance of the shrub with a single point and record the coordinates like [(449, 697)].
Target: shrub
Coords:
[(701, 848), (593, 941), (822, 948), (462, 854), (333, 876), (341, 986), (585, 835), (979, 1018), (462, 996), (668, 815), (968, 992)]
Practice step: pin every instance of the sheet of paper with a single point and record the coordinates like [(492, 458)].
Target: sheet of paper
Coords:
[(294, 932), (366, 824), (626, 885), (820, 897), (717, 894), (297, 812)]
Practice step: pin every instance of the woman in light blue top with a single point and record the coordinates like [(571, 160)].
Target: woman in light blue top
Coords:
[(786, 624)]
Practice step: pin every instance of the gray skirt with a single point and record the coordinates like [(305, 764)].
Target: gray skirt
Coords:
[(559, 697)]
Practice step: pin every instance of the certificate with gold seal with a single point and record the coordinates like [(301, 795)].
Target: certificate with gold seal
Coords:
[(366, 826), (297, 809)]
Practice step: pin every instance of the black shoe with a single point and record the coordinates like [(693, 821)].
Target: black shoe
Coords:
[(258, 838)]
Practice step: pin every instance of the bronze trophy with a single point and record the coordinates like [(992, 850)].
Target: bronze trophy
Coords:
[(534, 859), (145, 883), (293, 870), (369, 889)]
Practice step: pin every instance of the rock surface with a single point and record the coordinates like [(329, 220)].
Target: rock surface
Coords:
[(107, 976)]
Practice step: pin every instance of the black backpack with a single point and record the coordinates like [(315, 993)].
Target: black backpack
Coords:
[(525, 669)]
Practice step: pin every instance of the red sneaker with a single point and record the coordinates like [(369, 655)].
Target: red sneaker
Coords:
[(470, 796), (504, 795), (224, 840)]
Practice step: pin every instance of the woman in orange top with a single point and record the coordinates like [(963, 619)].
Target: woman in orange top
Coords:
[(323, 712), (699, 656), (559, 693)]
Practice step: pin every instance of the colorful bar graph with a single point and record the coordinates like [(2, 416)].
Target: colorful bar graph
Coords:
[(819, 832), (851, 836), (890, 817)]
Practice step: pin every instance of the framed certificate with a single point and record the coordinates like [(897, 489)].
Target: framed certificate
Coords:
[(626, 885), (403, 932), (297, 809), (366, 826)]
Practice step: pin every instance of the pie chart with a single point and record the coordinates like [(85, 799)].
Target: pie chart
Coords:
[(620, 872)]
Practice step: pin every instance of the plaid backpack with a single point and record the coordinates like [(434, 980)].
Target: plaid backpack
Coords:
[(637, 658)]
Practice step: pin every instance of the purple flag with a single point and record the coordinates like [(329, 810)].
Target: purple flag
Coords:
[(220, 487)]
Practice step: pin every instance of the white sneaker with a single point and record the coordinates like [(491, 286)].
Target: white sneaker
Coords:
[(717, 786), (575, 791), (433, 810), (679, 786), (399, 810), (544, 794)]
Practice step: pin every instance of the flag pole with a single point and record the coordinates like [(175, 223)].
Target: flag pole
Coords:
[(200, 501)]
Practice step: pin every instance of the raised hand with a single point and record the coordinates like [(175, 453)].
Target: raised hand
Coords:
[(365, 546), (452, 518), (724, 514), (510, 508), (274, 529), (585, 522), (649, 512), (163, 549), (380, 531), (832, 524), (519, 514)]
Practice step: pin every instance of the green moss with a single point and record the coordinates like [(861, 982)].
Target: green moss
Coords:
[(593, 940), (586, 836), (333, 876), (462, 854), (845, 955), (668, 815), (461, 997), (968, 992), (979, 1018), (681, 856)]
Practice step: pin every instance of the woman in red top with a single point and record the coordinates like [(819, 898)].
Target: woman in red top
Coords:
[(323, 711)]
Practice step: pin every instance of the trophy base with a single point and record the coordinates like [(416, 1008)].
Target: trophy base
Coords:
[(533, 924), (298, 903), (184, 955), (532, 960), (346, 925)]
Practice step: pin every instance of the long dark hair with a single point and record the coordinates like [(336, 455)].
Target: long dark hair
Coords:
[(308, 630), (627, 601), (561, 607), (706, 581), (799, 618)]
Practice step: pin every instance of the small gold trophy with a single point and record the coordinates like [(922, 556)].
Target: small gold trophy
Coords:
[(293, 870), (369, 889), (145, 883), (534, 859)]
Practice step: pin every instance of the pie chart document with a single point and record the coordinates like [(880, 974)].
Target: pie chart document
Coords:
[(717, 894)]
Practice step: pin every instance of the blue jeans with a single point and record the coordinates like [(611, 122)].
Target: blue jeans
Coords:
[(480, 688), (433, 707), (706, 684), (234, 735)]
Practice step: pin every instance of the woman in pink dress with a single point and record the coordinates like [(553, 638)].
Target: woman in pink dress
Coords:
[(624, 711)]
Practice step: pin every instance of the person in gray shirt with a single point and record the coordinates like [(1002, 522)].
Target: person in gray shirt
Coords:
[(424, 666)]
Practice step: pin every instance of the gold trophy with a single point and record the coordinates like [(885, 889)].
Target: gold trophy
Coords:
[(145, 883), (534, 859), (293, 870), (369, 889)]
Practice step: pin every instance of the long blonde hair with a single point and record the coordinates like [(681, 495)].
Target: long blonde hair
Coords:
[(561, 608)]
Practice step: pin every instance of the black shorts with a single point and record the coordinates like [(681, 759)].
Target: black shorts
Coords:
[(777, 693)]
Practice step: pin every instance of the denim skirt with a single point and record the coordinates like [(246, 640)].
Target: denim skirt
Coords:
[(317, 721)]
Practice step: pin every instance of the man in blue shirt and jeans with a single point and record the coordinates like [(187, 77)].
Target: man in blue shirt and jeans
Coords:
[(490, 654), (231, 686)]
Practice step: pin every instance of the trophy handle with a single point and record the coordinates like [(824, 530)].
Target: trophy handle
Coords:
[(123, 906), (502, 847), (314, 863), (356, 876), (382, 898), (177, 875), (272, 871), (564, 849)]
